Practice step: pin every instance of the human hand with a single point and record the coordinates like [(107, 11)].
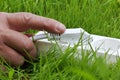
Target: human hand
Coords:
[(14, 44)]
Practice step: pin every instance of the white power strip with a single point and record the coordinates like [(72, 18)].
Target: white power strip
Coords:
[(72, 36)]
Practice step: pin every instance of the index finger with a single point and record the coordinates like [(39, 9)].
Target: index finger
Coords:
[(23, 21)]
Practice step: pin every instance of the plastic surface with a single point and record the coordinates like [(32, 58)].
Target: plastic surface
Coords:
[(71, 36)]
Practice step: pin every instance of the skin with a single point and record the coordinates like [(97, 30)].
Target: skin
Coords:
[(13, 43)]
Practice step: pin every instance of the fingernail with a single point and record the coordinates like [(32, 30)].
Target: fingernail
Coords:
[(60, 28)]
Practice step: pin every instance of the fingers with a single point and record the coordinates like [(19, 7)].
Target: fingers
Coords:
[(16, 45), (25, 21), (11, 56), (28, 35), (20, 43)]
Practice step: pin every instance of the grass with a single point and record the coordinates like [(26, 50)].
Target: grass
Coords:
[(100, 17)]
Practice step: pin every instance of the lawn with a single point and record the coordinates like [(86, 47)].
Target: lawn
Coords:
[(101, 17)]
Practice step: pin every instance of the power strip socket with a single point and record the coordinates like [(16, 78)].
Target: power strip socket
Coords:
[(72, 36)]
